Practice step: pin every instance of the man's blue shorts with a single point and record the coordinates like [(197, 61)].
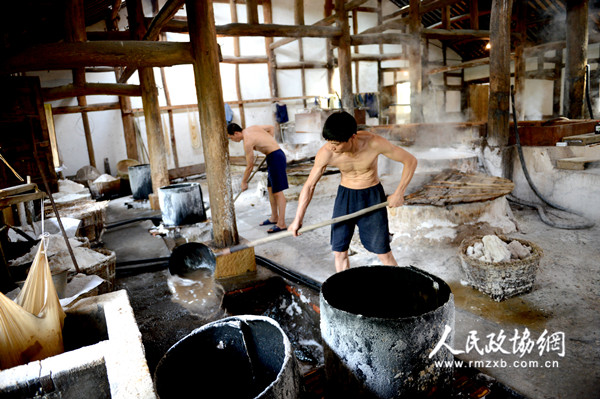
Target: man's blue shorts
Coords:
[(276, 175), (372, 227)]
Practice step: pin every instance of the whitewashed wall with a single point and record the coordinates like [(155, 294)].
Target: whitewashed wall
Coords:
[(107, 129)]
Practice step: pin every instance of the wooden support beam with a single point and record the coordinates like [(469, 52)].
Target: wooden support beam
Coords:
[(299, 20), (154, 134), (455, 34), (166, 13), (328, 13), (498, 107), (303, 65), (328, 20), (356, 51), (138, 54), (245, 60), (520, 62), (474, 14), (252, 11), (212, 120), (90, 89), (415, 62), (379, 57), (155, 27), (379, 38), (236, 53), (576, 58), (271, 60), (344, 57), (172, 138), (87, 108), (274, 30), (75, 32), (379, 68)]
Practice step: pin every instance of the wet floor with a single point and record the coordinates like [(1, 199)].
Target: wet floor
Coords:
[(514, 311)]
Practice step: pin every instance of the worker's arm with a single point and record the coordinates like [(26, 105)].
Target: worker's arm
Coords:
[(408, 161), (321, 162), (249, 150)]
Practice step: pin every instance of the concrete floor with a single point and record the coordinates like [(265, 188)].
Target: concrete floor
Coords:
[(565, 297)]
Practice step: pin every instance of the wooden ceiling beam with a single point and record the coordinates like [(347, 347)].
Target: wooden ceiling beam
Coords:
[(106, 53), (90, 89)]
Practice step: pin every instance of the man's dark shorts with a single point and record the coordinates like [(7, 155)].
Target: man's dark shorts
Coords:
[(276, 175), (372, 227)]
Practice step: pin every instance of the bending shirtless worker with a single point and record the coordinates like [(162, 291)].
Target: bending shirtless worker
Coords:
[(261, 138), (355, 154)]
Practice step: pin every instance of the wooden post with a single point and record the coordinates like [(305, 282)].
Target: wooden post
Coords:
[(520, 60), (129, 135), (356, 51), (329, 49), (154, 133), (344, 58), (299, 20), (163, 77), (498, 108), (271, 62), (577, 43), (379, 70), (202, 29), (236, 53), (158, 160), (415, 60), (252, 11), (75, 27)]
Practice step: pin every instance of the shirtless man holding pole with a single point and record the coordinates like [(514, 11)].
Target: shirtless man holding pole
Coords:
[(355, 153), (261, 138)]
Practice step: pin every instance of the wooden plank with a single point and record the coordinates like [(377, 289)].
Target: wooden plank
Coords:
[(576, 163), (186, 171), (17, 199), (582, 139), (14, 190)]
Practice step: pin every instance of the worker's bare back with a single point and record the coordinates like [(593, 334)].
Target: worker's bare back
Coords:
[(260, 138)]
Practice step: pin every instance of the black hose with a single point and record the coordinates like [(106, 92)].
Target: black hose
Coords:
[(155, 220), (587, 91), (290, 274), (534, 188)]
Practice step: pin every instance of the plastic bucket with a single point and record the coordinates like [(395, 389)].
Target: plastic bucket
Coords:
[(239, 357), (181, 204), (379, 324), (140, 181)]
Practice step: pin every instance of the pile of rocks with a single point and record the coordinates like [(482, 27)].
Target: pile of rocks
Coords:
[(493, 249)]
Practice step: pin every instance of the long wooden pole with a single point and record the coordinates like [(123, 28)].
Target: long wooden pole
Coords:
[(201, 24)]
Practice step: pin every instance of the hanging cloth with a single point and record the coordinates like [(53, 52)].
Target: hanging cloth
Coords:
[(371, 104), (194, 130), (31, 326), (281, 114), (166, 136), (228, 114)]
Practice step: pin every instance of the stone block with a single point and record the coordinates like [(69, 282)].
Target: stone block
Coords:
[(235, 264), (104, 357)]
